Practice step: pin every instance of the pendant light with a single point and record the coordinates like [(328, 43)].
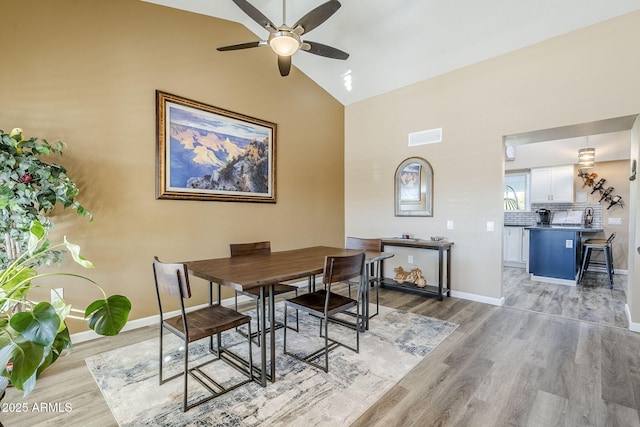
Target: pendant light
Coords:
[(586, 157)]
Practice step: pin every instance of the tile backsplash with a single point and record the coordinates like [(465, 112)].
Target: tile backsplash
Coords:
[(530, 217)]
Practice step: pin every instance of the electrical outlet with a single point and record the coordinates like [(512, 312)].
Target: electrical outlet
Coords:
[(568, 244), (410, 259), (450, 225), (614, 221)]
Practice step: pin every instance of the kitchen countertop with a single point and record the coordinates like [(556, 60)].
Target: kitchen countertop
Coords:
[(578, 228)]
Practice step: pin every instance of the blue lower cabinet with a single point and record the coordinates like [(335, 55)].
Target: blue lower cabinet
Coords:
[(554, 253)]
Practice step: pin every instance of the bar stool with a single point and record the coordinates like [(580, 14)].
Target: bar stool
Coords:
[(603, 245)]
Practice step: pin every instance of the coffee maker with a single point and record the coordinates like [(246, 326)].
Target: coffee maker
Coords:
[(544, 216)]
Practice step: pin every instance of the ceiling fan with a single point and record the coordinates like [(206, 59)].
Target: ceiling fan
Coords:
[(285, 40)]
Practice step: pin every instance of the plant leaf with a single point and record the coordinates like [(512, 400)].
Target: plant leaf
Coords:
[(39, 325), (18, 285), (75, 253), (26, 357), (108, 317), (62, 341), (38, 230), (7, 335), (36, 234)]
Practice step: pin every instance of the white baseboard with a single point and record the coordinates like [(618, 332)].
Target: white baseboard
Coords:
[(155, 319), (604, 270), (140, 323), (478, 298), (634, 327), (553, 280)]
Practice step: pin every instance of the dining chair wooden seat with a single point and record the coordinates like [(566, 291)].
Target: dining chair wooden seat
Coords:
[(172, 282), (374, 245), (323, 304), (314, 303), (260, 248)]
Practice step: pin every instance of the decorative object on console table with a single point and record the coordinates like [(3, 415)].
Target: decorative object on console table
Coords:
[(414, 276), (444, 274)]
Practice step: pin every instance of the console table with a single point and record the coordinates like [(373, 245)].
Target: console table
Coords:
[(442, 247)]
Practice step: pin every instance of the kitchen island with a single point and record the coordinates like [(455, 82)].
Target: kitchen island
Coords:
[(555, 252)]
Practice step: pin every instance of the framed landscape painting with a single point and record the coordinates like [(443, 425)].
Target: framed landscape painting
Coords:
[(208, 153)]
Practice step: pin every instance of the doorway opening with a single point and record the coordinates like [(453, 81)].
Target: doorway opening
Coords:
[(591, 300)]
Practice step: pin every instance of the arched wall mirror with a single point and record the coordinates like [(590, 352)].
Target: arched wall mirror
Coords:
[(414, 188)]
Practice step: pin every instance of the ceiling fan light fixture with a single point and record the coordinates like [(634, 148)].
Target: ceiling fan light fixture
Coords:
[(284, 43)]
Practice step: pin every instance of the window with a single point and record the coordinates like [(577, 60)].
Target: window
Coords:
[(516, 192)]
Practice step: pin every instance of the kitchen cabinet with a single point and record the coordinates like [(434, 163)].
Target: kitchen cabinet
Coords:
[(552, 184), (555, 253), (515, 246)]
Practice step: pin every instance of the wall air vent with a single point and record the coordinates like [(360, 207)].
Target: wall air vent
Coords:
[(430, 136)]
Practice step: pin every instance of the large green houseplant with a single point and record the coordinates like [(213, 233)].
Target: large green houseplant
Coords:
[(30, 188), (34, 334)]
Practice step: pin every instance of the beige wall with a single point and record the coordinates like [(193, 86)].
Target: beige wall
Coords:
[(617, 175), (86, 72), (587, 75)]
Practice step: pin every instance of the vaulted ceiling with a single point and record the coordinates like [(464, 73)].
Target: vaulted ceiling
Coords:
[(396, 43)]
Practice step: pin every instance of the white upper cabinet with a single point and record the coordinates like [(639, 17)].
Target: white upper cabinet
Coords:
[(552, 185)]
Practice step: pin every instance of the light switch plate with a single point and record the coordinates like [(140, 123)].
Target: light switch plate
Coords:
[(614, 221), (490, 225), (450, 225), (569, 244)]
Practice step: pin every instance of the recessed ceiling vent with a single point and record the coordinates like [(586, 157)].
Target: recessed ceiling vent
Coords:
[(424, 137)]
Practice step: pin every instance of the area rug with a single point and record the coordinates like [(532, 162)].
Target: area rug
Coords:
[(301, 395)]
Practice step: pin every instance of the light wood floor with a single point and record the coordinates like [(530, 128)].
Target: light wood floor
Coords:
[(592, 300), (502, 366)]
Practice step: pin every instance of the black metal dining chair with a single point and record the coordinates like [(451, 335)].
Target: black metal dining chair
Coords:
[(172, 282), (324, 304), (259, 248), (375, 245)]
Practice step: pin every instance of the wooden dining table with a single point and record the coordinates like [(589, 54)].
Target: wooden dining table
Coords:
[(243, 273)]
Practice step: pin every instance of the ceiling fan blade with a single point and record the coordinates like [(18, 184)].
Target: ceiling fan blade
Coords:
[(323, 50), (317, 16), (284, 64), (242, 46), (256, 15)]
